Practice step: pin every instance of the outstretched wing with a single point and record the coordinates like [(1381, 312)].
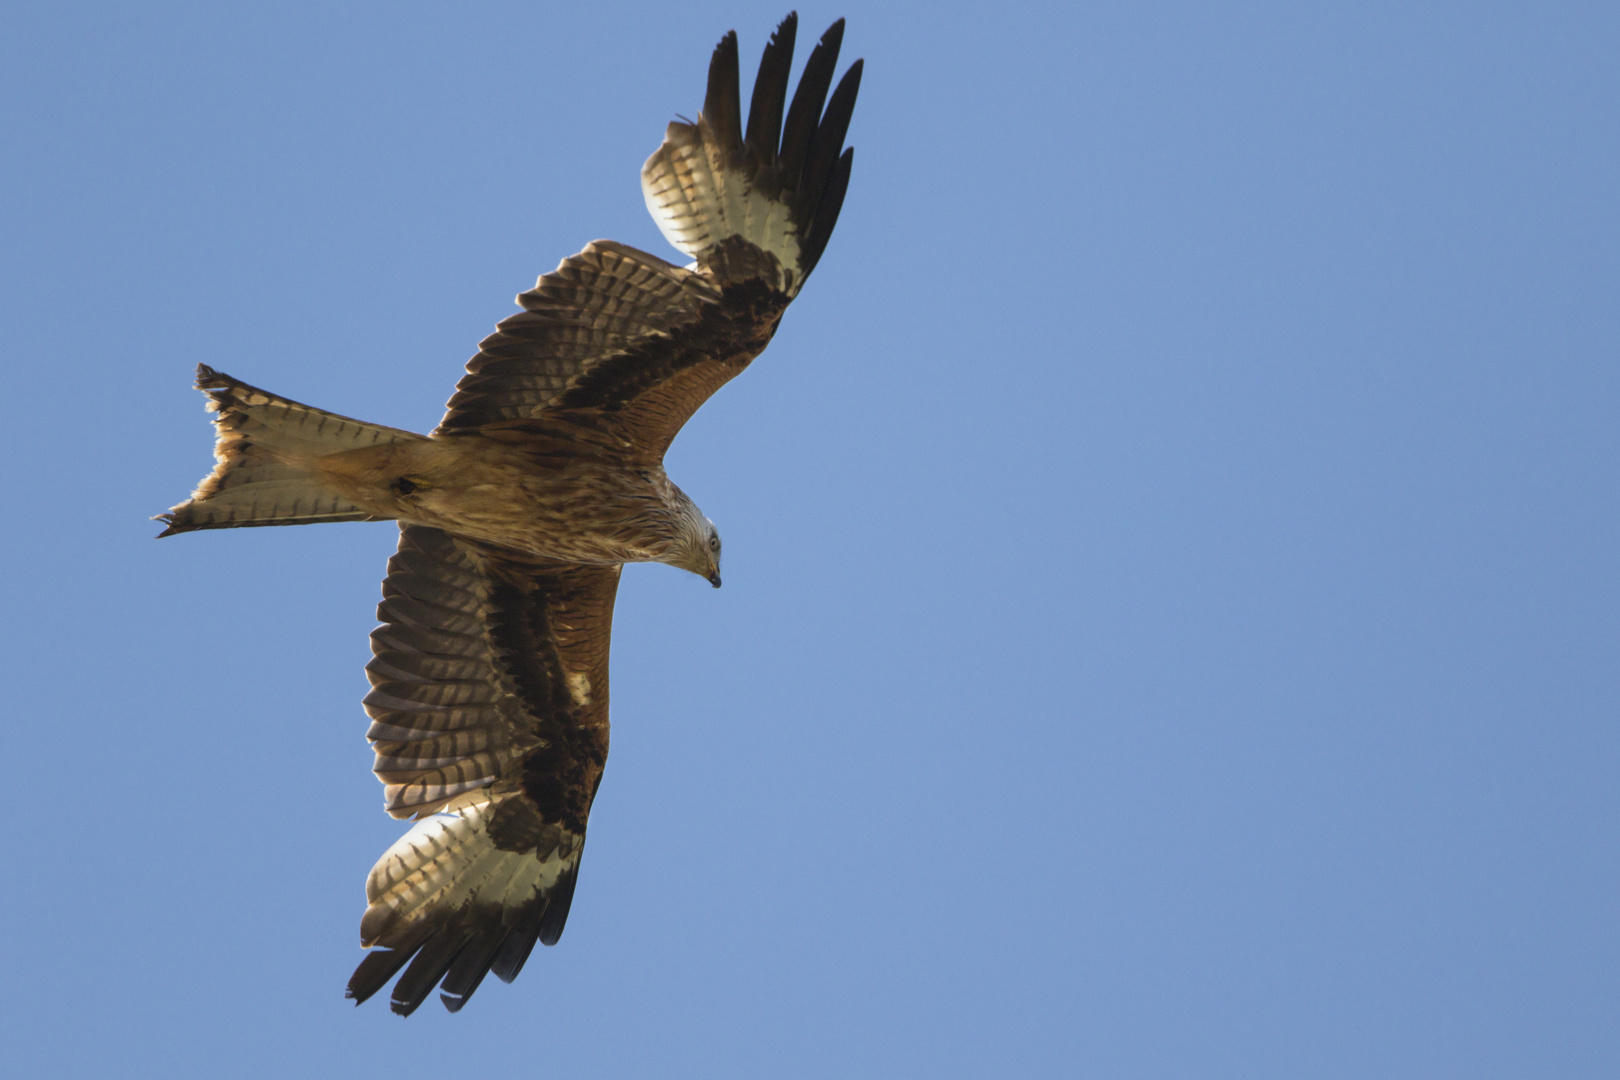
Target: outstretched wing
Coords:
[(490, 724), (617, 330)]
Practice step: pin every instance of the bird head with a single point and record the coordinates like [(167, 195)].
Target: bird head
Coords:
[(706, 564), (697, 541)]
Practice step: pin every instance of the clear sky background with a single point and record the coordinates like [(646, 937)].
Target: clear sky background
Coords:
[(1171, 607)]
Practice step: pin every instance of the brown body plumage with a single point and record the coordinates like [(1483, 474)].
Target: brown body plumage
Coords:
[(560, 489), (489, 699)]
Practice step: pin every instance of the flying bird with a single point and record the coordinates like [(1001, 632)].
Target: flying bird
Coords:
[(489, 701)]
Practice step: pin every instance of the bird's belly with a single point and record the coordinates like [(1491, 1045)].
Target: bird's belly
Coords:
[(568, 518), (581, 512), (535, 527)]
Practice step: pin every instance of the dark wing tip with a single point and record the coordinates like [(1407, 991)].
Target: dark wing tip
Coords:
[(722, 104), (804, 115), (556, 916), (842, 105), (832, 201), (380, 965), (429, 966), (828, 143), (770, 91), (471, 966), (374, 972), (514, 952), (456, 952)]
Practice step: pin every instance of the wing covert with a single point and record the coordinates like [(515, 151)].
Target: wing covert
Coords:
[(596, 305)]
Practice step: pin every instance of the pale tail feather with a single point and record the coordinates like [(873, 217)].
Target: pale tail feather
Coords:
[(260, 442)]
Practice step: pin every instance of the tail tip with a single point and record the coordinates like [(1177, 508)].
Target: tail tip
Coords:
[(175, 526)]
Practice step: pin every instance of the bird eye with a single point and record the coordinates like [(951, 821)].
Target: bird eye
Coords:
[(714, 543)]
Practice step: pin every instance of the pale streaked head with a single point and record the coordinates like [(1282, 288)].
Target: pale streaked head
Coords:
[(697, 541)]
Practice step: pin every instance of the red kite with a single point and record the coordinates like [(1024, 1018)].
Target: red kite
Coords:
[(489, 704)]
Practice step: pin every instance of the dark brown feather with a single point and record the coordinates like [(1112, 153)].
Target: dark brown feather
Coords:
[(520, 941), (829, 138), (428, 966), (471, 965), (770, 93), (380, 965), (804, 115), (595, 305), (722, 105), (556, 913), (832, 201)]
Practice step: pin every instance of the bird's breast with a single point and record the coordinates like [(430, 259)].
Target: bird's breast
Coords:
[(580, 509)]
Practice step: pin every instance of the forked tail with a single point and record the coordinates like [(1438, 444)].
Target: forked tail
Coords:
[(263, 445)]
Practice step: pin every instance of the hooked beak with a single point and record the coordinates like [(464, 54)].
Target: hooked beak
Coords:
[(714, 579)]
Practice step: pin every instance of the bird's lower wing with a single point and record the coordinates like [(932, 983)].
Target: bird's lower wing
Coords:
[(489, 720)]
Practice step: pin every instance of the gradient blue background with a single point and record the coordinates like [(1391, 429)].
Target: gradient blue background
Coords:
[(1171, 594)]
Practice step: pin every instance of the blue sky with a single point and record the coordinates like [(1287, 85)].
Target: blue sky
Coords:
[(1170, 613)]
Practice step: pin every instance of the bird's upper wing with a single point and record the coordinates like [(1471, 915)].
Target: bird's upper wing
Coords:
[(489, 719), (617, 330)]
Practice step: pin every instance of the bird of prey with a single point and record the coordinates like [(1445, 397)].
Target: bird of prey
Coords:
[(489, 705)]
